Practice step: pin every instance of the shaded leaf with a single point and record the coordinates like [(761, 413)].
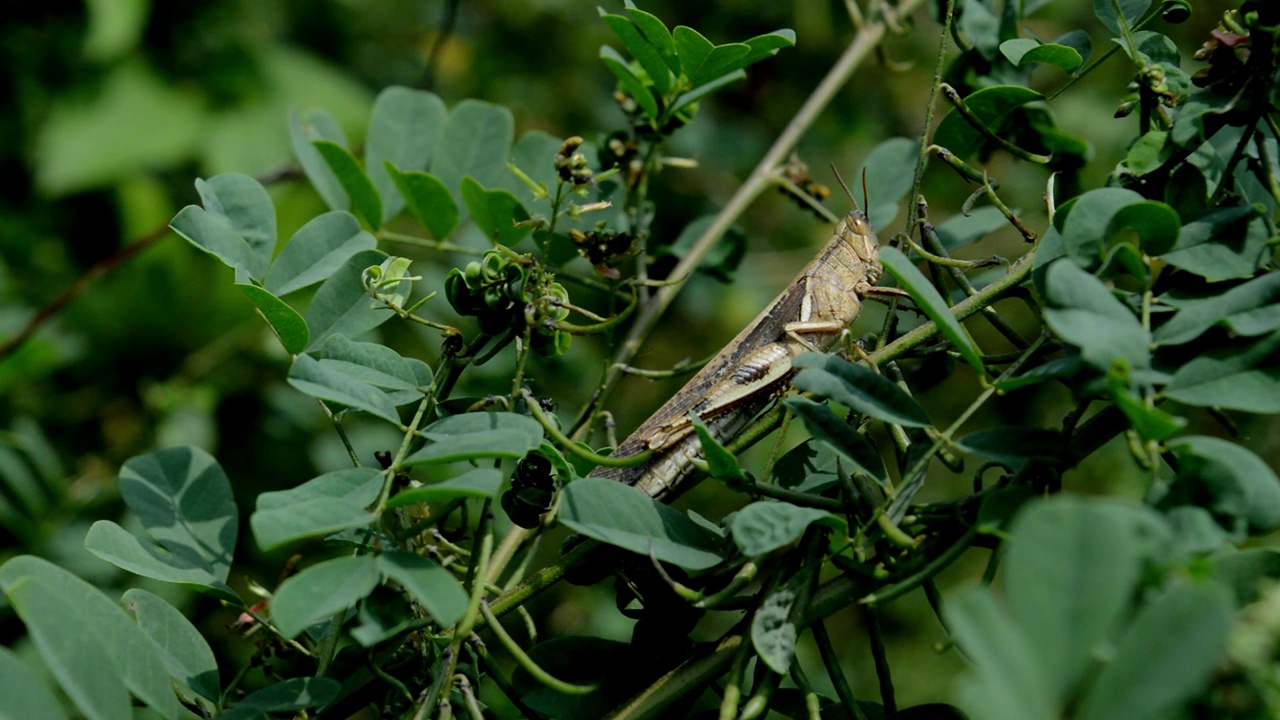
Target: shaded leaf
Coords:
[(808, 467), (773, 633), (1113, 12), (476, 143), (627, 80), (215, 236), (1228, 479), (1084, 313), (1025, 51), (285, 696), (1010, 682), (1239, 376), (246, 206), (692, 49), (889, 170), (1221, 245), (1252, 308), (1015, 445), (992, 105), (722, 60)]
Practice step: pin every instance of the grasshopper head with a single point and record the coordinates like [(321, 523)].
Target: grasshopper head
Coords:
[(858, 236)]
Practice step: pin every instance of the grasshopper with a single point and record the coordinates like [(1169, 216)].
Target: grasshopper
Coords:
[(756, 366)]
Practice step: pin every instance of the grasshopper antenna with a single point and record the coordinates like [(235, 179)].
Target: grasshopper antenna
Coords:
[(865, 202), (846, 187)]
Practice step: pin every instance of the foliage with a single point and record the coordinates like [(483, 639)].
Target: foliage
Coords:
[(1148, 298)]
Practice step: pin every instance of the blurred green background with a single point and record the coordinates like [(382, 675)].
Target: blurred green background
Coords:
[(111, 109)]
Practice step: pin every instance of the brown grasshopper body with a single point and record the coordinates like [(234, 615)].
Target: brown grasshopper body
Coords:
[(755, 367)]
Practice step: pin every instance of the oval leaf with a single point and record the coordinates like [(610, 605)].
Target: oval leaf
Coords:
[(823, 425), (328, 503), (342, 306), (246, 206), (476, 483), (25, 695), (773, 633), (121, 548), (308, 375), (320, 591), (621, 515), (428, 199), (495, 212), (318, 125), (476, 143), (1084, 313), (316, 251), (186, 654), (435, 588), (992, 106), (765, 526)]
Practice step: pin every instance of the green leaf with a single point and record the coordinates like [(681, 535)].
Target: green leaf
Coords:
[(1058, 547), (1149, 153), (428, 199), (765, 526), (121, 548), (318, 125), (1166, 657), (692, 49), (246, 206), (1084, 313), (316, 251), (1025, 51), (721, 464), (322, 590), (1151, 423), (889, 170), (472, 436), (183, 499), (722, 261), (576, 659), (696, 94), (1156, 225), (657, 36), (1129, 12), (1015, 445), (1239, 376), (342, 306), (1246, 310), (644, 50), (773, 633), (187, 655), (476, 142), (433, 587), (322, 505), (215, 236), (309, 376), (768, 45), (992, 106), (932, 304), (722, 60), (26, 697), (364, 197), (1084, 224), (286, 696), (1222, 245), (406, 379), (621, 515), (823, 425), (449, 428), (114, 28), (285, 322), (495, 212), (403, 128), (475, 483), (90, 645), (1010, 682), (858, 388), (630, 84), (1228, 479)]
